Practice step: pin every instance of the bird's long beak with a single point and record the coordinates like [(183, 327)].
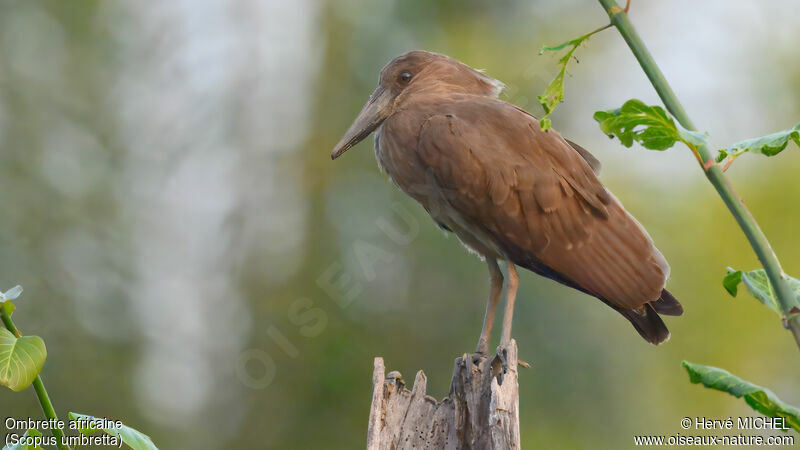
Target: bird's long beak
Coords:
[(371, 116)]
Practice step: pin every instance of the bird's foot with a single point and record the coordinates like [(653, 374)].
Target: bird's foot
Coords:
[(474, 359), (500, 362)]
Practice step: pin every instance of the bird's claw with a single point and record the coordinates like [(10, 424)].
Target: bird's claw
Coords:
[(500, 362), (473, 359)]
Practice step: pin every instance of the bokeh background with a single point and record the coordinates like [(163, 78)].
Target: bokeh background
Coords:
[(200, 269)]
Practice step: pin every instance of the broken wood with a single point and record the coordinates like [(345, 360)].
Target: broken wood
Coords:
[(481, 411)]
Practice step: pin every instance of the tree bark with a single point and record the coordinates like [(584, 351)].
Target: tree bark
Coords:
[(481, 411)]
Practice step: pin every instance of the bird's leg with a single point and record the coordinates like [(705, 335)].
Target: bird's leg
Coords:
[(500, 361), (511, 296), (495, 288)]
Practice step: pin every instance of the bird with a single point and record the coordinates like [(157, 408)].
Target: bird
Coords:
[(511, 192)]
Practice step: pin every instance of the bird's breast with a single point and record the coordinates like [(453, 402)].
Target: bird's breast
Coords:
[(396, 151), (396, 145)]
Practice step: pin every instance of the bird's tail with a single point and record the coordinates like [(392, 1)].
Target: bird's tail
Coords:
[(647, 321), (667, 305)]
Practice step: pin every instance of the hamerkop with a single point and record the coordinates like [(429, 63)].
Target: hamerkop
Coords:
[(484, 170)]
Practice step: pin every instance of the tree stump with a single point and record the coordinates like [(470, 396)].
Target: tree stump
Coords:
[(481, 411)]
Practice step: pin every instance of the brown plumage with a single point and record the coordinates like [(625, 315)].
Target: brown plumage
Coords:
[(485, 170)]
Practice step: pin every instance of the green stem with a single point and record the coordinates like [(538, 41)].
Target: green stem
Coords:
[(717, 178), (8, 323), (38, 386)]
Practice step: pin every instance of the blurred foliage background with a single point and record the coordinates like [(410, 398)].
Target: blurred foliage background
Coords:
[(170, 207)]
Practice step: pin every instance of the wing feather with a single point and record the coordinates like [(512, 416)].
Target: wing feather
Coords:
[(539, 199)]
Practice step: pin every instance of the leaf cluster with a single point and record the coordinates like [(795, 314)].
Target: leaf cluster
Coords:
[(21, 361)]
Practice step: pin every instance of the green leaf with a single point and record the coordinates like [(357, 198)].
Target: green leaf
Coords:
[(758, 285), (546, 124), (554, 93), (760, 399), (732, 280), (34, 433), (650, 126), (769, 145), (132, 438), (21, 359)]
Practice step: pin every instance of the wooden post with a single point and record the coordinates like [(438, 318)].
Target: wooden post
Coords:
[(481, 411)]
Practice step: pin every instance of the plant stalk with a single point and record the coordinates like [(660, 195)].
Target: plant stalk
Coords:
[(38, 386), (713, 172)]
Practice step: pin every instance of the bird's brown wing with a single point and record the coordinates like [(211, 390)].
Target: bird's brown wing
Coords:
[(540, 202), (585, 154), (590, 159)]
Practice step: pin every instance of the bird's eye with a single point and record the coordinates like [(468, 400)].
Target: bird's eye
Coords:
[(405, 76)]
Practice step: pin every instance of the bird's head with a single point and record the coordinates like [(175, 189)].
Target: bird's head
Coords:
[(412, 72)]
